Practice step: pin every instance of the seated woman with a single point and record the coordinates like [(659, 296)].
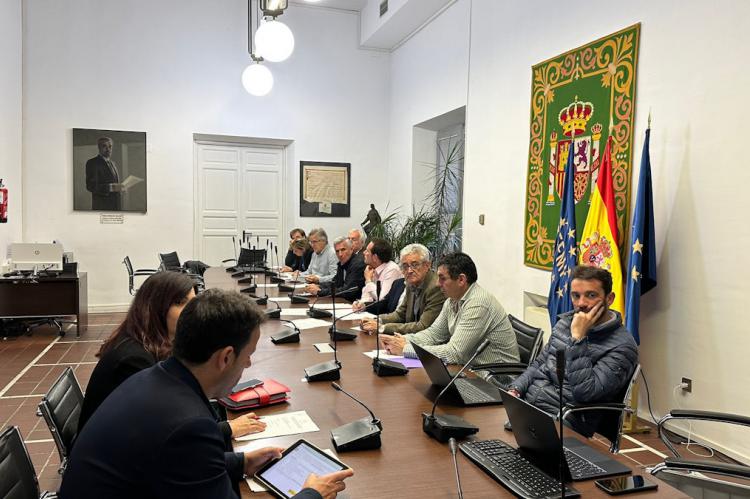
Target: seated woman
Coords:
[(302, 253), (145, 338)]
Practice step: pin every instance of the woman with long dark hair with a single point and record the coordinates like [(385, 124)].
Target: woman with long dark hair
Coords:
[(145, 338)]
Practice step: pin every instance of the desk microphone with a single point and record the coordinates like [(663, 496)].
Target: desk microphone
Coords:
[(384, 367), (276, 278), (362, 434), (275, 313), (330, 370), (560, 368), (452, 446), (296, 298), (349, 334), (446, 426), (317, 313), (288, 335)]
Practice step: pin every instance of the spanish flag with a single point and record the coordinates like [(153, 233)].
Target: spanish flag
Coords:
[(599, 237)]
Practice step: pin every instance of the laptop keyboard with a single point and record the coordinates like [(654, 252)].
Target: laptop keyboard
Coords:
[(506, 465), (581, 468), (471, 394)]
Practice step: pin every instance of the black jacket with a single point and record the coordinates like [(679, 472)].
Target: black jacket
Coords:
[(155, 436), (349, 276), (295, 262), (389, 303)]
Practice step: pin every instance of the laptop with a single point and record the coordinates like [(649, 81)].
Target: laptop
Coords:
[(536, 433), (474, 391)]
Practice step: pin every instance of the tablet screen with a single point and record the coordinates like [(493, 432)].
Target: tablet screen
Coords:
[(288, 474)]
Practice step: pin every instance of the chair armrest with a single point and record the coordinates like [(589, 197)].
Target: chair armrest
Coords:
[(141, 272), (147, 270), (599, 406), (229, 260), (727, 469)]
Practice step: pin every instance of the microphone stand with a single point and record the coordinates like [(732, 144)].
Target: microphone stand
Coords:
[(442, 428), (385, 367), (287, 336), (276, 278), (330, 370), (296, 298), (363, 434), (349, 334), (317, 313), (452, 447)]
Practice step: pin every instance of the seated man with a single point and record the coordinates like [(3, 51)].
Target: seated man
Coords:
[(156, 435), (298, 256), (357, 237), (323, 262), (380, 273), (350, 273), (600, 357), (469, 315), (423, 300)]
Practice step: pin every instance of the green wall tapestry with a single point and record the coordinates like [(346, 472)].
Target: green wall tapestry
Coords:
[(577, 96)]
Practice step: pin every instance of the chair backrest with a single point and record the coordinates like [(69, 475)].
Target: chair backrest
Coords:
[(529, 339), (131, 279), (251, 257), (61, 408), (170, 260), (17, 476), (610, 426)]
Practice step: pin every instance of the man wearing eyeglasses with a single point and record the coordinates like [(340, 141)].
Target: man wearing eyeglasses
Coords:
[(423, 300), (323, 263), (469, 315)]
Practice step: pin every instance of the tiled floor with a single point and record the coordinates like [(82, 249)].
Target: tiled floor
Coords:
[(30, 364)]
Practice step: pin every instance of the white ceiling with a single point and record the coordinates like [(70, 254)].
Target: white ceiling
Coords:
[(355, 5)]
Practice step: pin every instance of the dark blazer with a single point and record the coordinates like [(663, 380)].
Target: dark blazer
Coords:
[(390, 300), (155, 436), (118, 364), (296, 262), (350, 275), (98, 176)]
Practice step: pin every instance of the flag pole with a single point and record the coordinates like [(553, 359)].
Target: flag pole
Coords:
[(630, 425)]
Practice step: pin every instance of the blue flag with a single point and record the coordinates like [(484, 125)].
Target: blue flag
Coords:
[(566, 250), (641, 275)]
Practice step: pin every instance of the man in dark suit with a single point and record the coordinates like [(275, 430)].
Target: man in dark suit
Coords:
[(350, 273), (156, 435), (103, 179)]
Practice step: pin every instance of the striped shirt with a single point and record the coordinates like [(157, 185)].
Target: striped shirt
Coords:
[(462, 325)]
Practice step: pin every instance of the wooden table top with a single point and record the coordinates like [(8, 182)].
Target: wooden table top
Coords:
[(409, 463)]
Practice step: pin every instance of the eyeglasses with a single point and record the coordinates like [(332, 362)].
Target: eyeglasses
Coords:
[(412, 266), (315, 241)]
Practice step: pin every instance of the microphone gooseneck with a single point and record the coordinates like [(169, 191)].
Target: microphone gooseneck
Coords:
[(337, 387), (452, 446), (479, 350)]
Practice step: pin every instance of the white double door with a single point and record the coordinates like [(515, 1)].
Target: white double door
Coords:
[(238, 188)]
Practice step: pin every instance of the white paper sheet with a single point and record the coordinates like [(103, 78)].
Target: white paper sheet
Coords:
[(278, 425), (310, 323), (383, 354), (323, 347), (294, 311)]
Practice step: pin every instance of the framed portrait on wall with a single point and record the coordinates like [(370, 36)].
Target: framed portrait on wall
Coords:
[(109, 170), (325, 189)]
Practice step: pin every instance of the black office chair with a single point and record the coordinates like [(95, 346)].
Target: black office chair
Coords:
[(703, 478), (249, 258), (18, 478), (132, 274), (61, 408), (171, 262), (529, 340), (613, 413)]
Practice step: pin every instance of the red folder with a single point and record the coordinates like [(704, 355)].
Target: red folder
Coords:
[(270, 392)]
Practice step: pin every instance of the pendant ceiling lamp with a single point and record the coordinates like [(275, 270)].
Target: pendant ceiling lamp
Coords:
[(274, 42)]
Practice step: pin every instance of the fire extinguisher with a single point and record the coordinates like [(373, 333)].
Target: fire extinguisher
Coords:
[(3, 203)]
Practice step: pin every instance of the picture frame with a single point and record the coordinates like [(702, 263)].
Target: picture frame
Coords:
[(109, 170), (325, 189)]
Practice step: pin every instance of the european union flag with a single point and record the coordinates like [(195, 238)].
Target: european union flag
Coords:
[(642, 265), (566, 251)]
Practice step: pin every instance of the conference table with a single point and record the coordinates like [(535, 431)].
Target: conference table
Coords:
[(409, 464)]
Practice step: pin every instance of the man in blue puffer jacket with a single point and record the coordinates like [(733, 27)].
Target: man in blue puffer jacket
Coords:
[(600, 358)]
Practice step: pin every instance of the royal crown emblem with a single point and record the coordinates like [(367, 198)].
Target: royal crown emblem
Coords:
[(575, 117), (595, 251)]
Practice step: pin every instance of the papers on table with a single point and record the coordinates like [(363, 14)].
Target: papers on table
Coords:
[(323, 347), (310, 323), (278, 425), (294, 311), (407, 362)]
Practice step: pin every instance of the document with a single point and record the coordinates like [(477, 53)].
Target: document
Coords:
[(310, 323), (294, 311), (323, 347), (278, 425), (407, 362), (131, 181)]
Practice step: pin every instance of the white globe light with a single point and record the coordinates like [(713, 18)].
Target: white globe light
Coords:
[(274, 40), (257, 79)]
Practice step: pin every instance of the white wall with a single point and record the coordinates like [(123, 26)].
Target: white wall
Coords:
[(693, 76), (428, 78), (10, 118), (172, 68)]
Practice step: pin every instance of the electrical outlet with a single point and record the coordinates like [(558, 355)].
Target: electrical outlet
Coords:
[(689, 383)]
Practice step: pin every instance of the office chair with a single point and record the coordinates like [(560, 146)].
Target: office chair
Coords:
[(529, 340), (703, 478), (171, 262), (613, 413), (132, 274), (249, 258), (18, 479), (61, 408)]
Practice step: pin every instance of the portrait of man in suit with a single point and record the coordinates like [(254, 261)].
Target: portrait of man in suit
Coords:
[(110, 170)]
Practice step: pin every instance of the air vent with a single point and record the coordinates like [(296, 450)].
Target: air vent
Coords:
[(383, 7)]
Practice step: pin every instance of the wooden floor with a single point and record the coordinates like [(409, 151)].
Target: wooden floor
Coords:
[(30, 364)]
